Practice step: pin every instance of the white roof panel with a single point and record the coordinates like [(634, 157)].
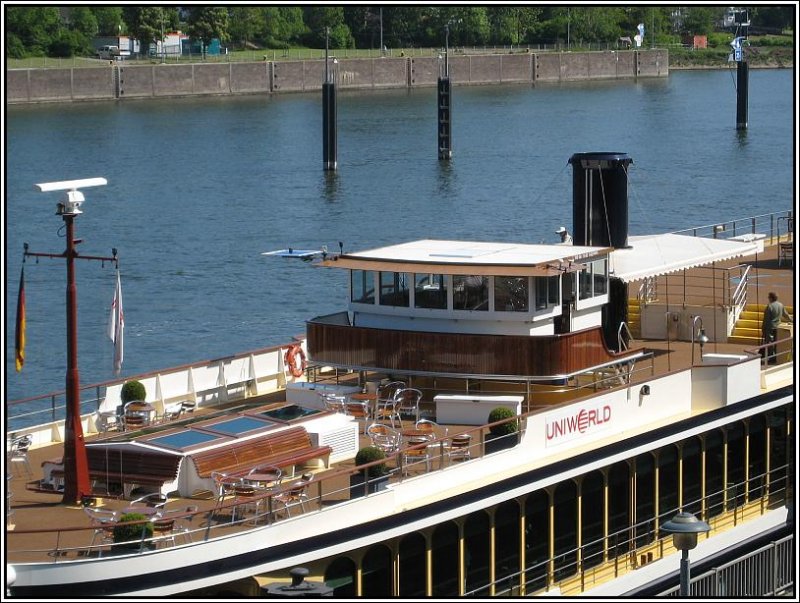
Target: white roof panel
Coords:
[(470, 257), (660, 254), (477, 252)]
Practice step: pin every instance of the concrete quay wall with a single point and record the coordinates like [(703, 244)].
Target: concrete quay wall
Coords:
[(121, 81)]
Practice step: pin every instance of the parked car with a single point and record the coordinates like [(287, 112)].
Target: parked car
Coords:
[(108, 52)]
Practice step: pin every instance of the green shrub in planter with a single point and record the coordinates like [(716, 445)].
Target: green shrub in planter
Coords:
[(128, 533), (369, 454), (132, 390), (498, 414), (372, 479)]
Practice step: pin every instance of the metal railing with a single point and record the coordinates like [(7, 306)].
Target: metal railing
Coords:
[(766, 572), (322, 493), (762, 223), (739, 295), (572, 570), (38, 410), (579, 569)]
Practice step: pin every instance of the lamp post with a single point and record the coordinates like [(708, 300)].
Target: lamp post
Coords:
[(684, 528), (446, 50), (568, 20), (702, 338)]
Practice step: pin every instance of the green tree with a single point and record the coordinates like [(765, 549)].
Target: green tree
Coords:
[(405, 25), (327, 19), (512, 24), (109, 20), (283, 26), (698, 20), (83, 21), (35, 27), (472, 27), (15, 49), (145, 23), (244, 23), (657, 23), (555, 24), (781, 17), (68, 43), (595, 24), (364, 23), (208, 22)]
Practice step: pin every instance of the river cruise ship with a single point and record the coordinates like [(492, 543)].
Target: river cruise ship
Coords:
[(482, 418)]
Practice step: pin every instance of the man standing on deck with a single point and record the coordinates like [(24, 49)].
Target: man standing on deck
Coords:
[(773, 314), (566, 238)]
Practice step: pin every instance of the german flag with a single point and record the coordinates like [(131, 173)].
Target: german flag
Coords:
[(19, 342)]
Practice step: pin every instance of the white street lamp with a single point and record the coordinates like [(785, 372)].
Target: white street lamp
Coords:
[(684, 528)]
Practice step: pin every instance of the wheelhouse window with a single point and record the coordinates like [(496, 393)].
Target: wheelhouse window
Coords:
[(470, 292), (593, 279), (600, 276), (546, 291), (394, 289), (362, 286), (511, 293), (430, 291)]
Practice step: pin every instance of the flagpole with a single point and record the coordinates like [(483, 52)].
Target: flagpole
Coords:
[(77, 486)]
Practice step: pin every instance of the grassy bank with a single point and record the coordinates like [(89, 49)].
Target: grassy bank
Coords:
[(715, 58), (767, 55)]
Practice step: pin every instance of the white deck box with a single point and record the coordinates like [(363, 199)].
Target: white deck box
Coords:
[(468, 409), (309, 395)]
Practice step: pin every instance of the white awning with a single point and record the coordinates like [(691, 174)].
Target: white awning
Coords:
[(661, 254)]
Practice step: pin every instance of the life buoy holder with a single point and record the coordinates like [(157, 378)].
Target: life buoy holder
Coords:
[(296, 367)]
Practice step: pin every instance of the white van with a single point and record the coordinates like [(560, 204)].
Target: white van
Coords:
[(108, 52)]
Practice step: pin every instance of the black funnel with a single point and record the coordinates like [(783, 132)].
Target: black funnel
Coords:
[(600, 199)]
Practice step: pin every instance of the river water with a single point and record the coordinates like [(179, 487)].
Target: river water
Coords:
[(199, 188)]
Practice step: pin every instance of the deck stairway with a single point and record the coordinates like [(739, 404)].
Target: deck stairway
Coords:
[(634, 318), (747, 330)]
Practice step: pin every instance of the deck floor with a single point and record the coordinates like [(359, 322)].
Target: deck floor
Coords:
[(35, 509)]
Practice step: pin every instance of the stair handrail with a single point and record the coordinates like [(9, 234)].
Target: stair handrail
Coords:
[(622, 345), (647, 291), (739, 296)]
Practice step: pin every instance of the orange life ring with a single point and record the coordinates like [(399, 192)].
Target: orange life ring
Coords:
[(296, 368)]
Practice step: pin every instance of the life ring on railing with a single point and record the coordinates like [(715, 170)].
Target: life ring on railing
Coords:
[(296, 367)]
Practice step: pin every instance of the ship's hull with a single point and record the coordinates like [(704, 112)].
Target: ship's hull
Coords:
[(359, 524)]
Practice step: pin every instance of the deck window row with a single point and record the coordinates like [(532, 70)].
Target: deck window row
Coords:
[(472, 293)]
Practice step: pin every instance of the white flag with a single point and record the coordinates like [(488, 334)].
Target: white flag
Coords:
[(116, 326)]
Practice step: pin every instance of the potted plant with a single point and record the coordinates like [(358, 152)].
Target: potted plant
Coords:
[(503, 435), (372, 478), (131, 536), (132, 391)]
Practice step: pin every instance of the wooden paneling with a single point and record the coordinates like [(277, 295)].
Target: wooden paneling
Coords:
[(456, 353)]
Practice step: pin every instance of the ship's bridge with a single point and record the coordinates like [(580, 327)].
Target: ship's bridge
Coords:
[(476, 287)]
